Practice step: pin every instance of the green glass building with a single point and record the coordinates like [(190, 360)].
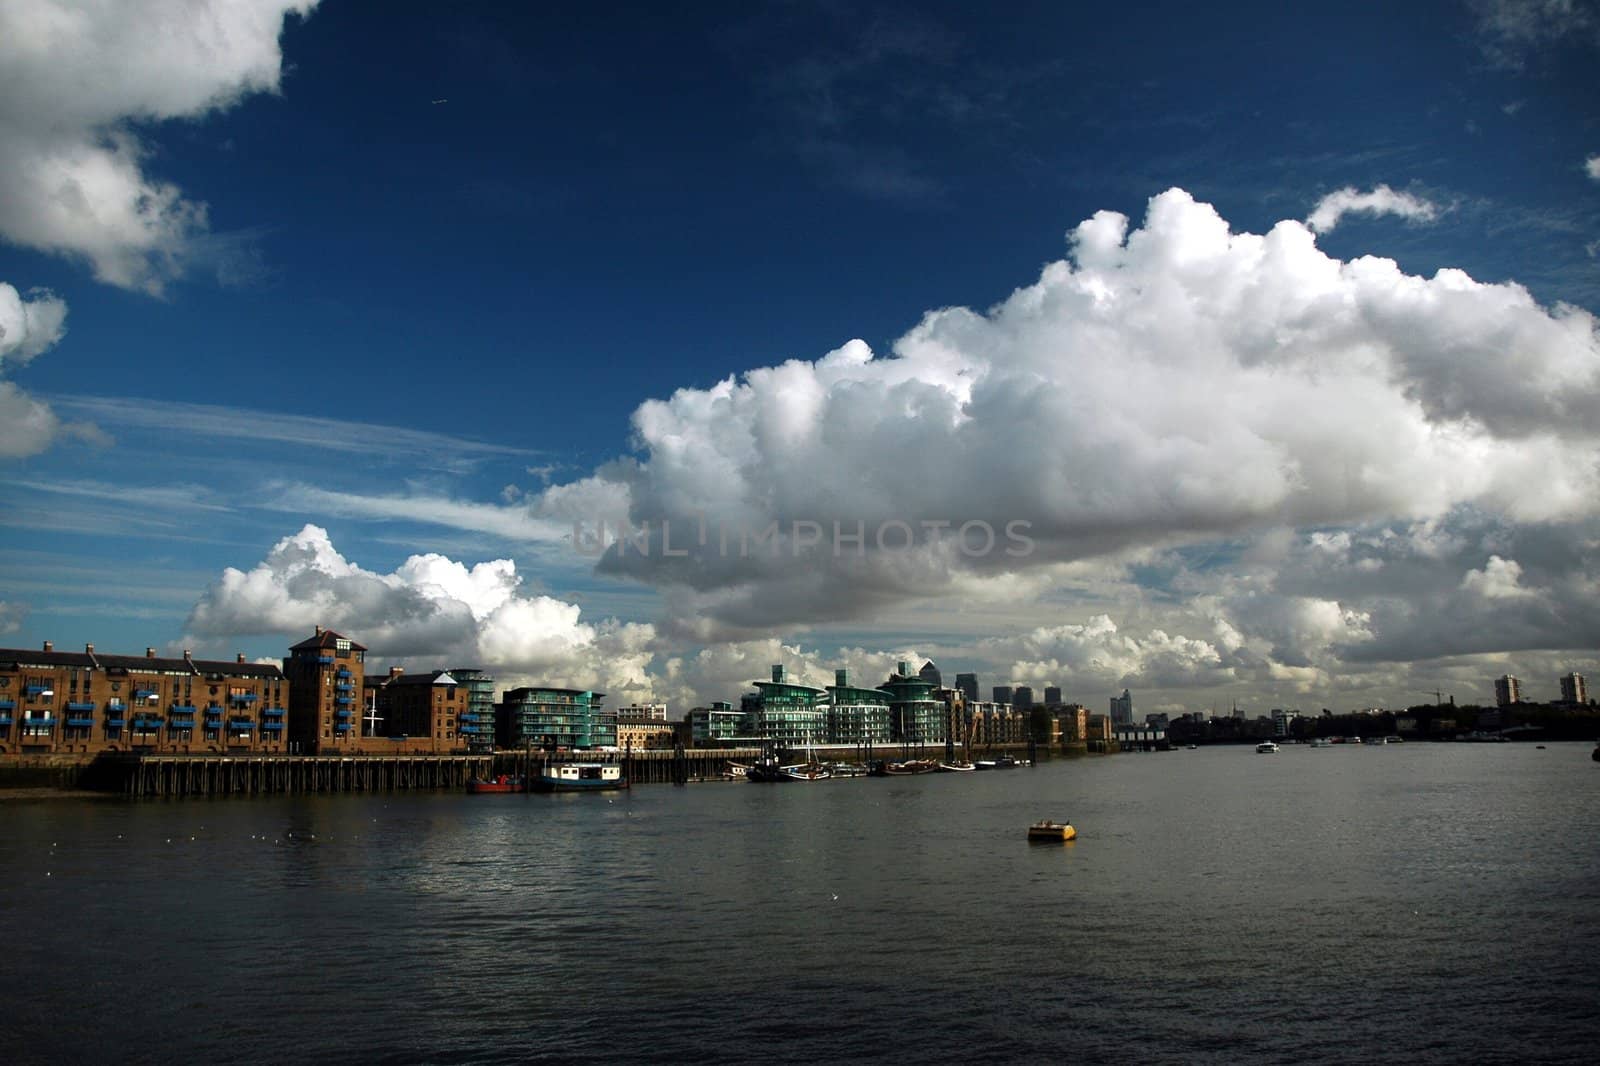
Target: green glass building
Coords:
[(477, 722), (856, 715), (786, 714), (552, 718), (916, 716)]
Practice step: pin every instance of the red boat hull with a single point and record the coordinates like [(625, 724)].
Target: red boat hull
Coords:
[(499, 784)]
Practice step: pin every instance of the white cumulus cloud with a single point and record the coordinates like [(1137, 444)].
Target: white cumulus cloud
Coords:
[(1382, 200), (29, 326), (431, 607), (1176, 381), (1591, 167), (75, 78)]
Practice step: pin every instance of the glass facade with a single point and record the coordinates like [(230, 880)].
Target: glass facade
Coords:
[(786, 714), (552, 718), (915, 715), (477, 722)]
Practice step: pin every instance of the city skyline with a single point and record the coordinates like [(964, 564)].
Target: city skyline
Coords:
[(1288, 378)]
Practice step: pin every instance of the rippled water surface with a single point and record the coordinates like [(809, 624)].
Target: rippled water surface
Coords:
[(1418, 902)]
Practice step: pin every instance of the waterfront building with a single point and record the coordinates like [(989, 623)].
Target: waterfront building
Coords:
[(1573, 689), (1282, 721), (996, 723), (417, 707), (326, 674), (85, 703), (644, 725), (1074, 719), (1023, 697), (915, 716), (477, 720), (968, 685), (784, 713), (1052, 695), (930, 674), (1122, 709), (720, 723), (1158, 721), (1002, 694), (556, 718), (1507, 690), (856, 715)]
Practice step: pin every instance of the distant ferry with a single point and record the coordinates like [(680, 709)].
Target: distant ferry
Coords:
[(580, 777), (1266, 747)]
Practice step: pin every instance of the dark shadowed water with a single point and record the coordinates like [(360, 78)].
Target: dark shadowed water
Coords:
[(1417, 902)]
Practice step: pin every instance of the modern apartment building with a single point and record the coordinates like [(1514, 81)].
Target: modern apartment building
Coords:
[(856, 715), (1507, 690), (784, 713), (1573, 689), (556, 718)]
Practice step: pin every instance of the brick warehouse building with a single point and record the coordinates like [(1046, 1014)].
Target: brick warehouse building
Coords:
[(326, 672), (84, 703)]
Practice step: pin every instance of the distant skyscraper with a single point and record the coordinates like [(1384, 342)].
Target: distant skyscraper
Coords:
[(1052, 695), (930, 674), (1002, 695), (1122, 709), (1023, 696), (1507, 690), (1573, 690), (968, 684)]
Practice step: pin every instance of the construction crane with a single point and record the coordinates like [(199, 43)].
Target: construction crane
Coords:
[(1438, 697)]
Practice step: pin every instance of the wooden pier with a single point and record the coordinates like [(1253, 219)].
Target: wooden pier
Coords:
[(251, 775)]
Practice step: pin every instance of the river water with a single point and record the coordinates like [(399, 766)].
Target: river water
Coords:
[(1416, 902)]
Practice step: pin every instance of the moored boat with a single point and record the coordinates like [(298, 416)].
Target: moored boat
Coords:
[(736, 771), (905, 768), (502, 783), (956, 768), (1266, 747), (1049, 831), (580, 777), (811, 771), (847, 769)]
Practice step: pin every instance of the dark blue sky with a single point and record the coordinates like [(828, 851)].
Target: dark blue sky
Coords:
[(617, 201)]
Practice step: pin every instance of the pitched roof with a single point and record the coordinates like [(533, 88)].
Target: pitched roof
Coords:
[(326, 638), (24, 657)]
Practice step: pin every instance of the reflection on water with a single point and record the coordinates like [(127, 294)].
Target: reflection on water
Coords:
[(1428, 902)]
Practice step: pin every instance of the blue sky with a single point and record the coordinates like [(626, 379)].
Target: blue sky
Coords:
[(402, 320)]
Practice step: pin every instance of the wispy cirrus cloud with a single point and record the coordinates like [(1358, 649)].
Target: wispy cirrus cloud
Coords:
[(439, 451), (513, 522)]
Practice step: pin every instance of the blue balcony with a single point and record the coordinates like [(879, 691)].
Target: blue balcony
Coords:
[(86, 708), (273, 712), (38, 723), (81, 723), (272, 727), (344, 686), (145, 693), (239, 725), (40, 690), (342, 672), (181, 708), (343, 701), (116, 723), (343, 716), (116, 705), (8, 705), (325, 660), (472, 729), (6, 719), (242, 697), (342, 727), (146, 723)]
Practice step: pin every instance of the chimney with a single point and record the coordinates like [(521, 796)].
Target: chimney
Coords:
[(240, 658), (185, 654), (396, 671), (319, 631), (149, 653), (49, 646), (88, 649)]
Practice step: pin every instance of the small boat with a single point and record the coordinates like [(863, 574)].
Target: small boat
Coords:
[(1051, 832), (905, 768), (1266, 747), (847, 769), (736, 771), (1006, 762), (811, 771), (1192, 747), (956, 768), (502, 783), (580, 777)]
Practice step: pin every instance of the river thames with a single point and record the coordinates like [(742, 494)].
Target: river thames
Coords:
[(1415, 902)]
